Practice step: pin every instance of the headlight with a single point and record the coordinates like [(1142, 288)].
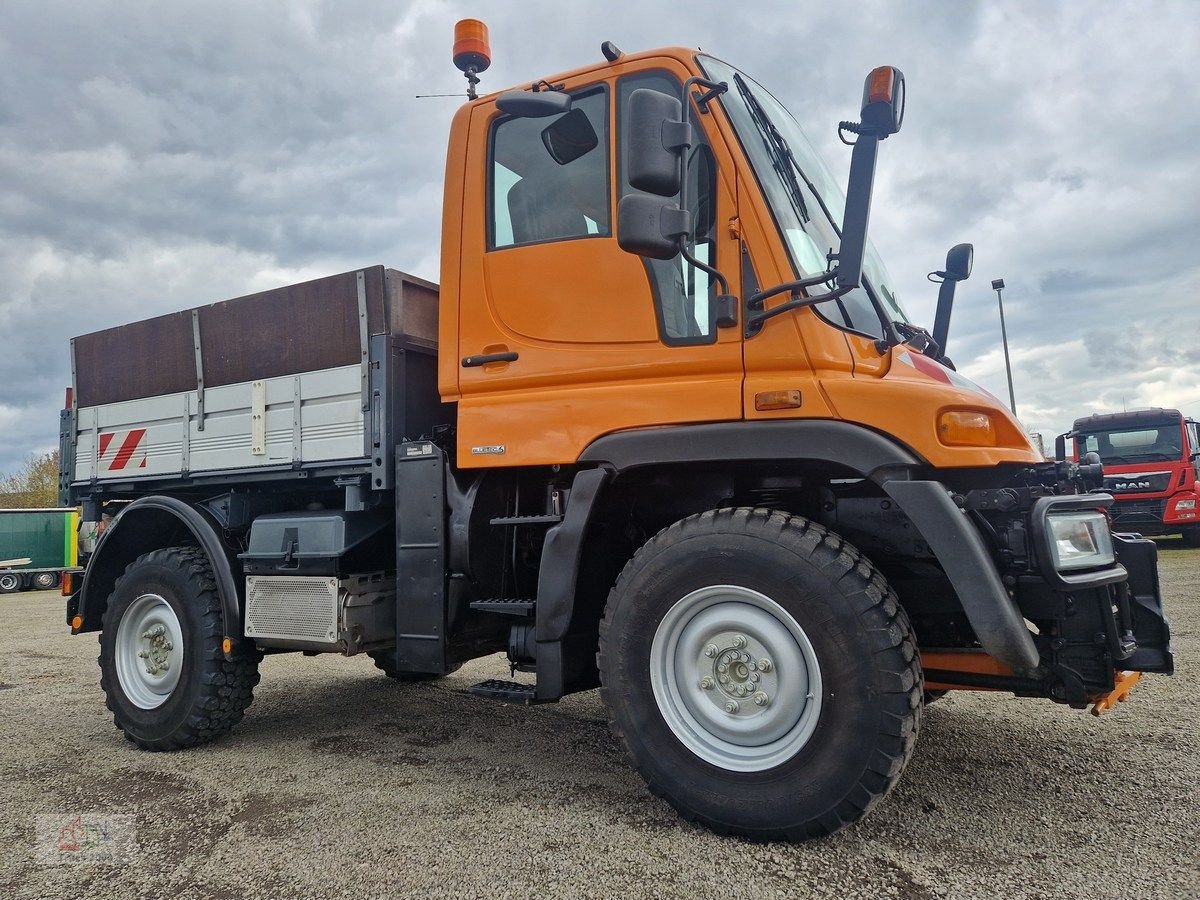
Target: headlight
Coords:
[(1185, 504), (1079, 540)]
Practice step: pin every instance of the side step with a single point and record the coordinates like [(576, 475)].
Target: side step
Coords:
[(528, 520), (506, 607), (506, 691)]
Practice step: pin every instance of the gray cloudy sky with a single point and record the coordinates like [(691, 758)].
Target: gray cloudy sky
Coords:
[(156, 156)]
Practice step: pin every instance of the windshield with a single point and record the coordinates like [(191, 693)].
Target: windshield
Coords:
[(808, 204), (1144, 443)]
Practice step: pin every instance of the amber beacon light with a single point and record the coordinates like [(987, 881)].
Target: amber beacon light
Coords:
[(472, 54)]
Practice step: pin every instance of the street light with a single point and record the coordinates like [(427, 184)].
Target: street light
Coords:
[(998, 287)]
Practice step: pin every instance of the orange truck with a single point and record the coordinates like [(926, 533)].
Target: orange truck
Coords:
[(663, 428)]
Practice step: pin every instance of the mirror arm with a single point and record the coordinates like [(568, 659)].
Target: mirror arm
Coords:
[(754, 320), (812, 281), (703, 267)]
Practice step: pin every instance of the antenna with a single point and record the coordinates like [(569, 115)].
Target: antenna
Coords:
[(472, 54)]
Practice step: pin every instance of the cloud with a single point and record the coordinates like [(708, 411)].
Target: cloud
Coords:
[(158, 156)]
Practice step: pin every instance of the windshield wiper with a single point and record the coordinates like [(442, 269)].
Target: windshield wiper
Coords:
[(777, 150)]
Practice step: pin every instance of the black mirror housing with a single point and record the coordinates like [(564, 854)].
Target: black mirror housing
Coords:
[(959, 261), (650, 226), (655, 131), (569, 137), (534, 104)]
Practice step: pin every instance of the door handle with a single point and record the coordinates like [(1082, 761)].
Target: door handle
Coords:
[(470, 362)]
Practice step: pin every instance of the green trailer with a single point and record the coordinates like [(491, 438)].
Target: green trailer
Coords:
[(36, 547)]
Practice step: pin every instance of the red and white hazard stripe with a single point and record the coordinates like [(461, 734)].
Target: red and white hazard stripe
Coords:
[(119, 448)]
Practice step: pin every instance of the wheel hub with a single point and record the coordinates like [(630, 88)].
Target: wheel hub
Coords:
[(149, 651), (737, 672), (735, 678)]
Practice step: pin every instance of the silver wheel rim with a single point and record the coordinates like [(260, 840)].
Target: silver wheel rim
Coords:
[(735, 678), (44, 580), (9, 582), (149, 651)]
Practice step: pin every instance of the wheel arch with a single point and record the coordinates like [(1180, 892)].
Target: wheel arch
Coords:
[(152, 523), (574, 547)]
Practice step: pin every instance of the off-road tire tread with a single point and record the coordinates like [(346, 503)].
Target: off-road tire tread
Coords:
[(227, 685), (895, 650)]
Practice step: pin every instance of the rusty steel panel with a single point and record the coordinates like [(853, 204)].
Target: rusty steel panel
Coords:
[(288, 330), (142, 359), (412, 308), (284, 331)]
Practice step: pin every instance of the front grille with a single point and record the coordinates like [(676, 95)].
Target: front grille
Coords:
[(1134, 513), (291, 607)]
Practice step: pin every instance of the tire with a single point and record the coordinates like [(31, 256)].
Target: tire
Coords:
[(383, 663), (843, 685), (198, 695), (10, 582), (934, 696), (1191, 537), (45, 581)]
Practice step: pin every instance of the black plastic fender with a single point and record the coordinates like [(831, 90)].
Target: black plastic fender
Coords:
[(151, 523)]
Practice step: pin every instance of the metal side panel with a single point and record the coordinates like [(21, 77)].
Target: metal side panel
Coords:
[(161, 435)]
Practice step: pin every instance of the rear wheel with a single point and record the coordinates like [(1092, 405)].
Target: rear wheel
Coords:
[(45, 581), (761, 674), (163, 671), (10, 582)]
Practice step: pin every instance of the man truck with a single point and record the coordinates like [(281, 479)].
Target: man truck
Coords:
[(1151, 461), (663, 428)]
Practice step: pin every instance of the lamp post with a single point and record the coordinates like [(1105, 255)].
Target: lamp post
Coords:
[(998, 287)]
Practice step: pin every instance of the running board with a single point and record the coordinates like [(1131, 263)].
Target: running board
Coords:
[(506, 692)]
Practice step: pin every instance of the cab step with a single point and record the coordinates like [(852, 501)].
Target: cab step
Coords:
[(549, 519), (506, 607), (506, 691)]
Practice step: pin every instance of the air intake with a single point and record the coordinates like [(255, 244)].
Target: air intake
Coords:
[(292, 608)]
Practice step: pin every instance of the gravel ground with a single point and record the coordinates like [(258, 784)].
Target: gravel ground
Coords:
[(341, 783)]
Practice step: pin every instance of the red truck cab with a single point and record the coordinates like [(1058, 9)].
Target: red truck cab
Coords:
[(1151, 463)]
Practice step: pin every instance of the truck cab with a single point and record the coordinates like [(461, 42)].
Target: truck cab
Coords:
[(1151, 461), (663, 428)]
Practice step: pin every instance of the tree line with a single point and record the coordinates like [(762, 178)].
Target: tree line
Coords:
[(33, 485)]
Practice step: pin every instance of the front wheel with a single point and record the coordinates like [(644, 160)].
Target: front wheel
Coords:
[(761, 674), (1191, 537), (163, 670)]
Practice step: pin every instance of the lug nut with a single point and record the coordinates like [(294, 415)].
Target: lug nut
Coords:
[(706, 683), (731, 707), (764, 664), (146, 634), (760, 699), (739, 641), (142, 654), (724, 679), (755, 676), (722, 668), (710, 651)]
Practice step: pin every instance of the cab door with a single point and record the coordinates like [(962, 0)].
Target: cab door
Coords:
[(564, 337)]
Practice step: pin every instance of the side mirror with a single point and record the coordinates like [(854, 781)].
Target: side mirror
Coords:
[(959, 261), (534, 104), (657, 139), (569, 137), (650, 226)]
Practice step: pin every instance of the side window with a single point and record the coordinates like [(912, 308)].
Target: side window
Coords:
[(548, 181), (683, 295), (1193, 443)]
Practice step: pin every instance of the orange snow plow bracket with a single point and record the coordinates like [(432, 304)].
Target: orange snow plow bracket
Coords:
[(1124, 684)]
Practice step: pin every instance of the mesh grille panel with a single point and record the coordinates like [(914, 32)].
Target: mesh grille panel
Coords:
[(291, 607)]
